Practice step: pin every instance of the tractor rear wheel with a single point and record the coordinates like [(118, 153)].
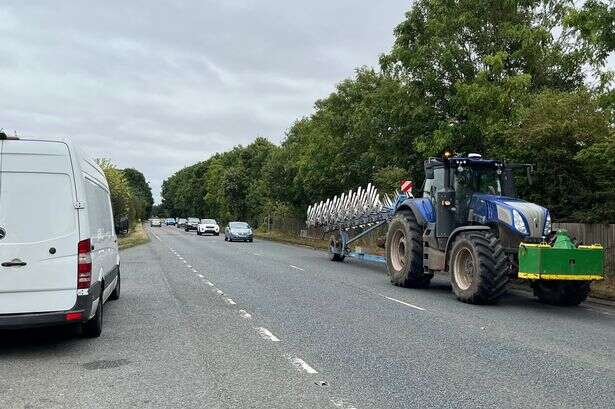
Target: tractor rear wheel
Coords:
[(566, 293), (336, 252), (478, 268), (404, 251)]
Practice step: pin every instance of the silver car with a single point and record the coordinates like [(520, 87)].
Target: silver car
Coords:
[(238, 231)]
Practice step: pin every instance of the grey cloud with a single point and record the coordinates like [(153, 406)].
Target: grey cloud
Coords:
[(158, 85)]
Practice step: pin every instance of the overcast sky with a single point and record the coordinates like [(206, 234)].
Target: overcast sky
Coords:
[(157, 85)]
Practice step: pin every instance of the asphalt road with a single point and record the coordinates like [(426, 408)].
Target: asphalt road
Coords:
[(202, 323)]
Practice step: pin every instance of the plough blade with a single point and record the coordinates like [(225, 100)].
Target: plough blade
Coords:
[(360, 208)]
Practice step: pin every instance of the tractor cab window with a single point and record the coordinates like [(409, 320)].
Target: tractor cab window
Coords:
[(478, 180), (431, 186), (470, 180)]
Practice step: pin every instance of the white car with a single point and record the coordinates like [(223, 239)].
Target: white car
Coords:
[(155, 223), (59, 259), (208, 226)]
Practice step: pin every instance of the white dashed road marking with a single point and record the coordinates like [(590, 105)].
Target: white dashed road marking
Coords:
[(219, 292), (404, 303), (194, 270), (301, 365), (297, 268), (245, 314), (230, 301), (209, 283), (201, 276), (266, 334), (341, 403)]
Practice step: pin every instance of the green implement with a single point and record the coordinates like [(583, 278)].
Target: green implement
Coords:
[(562, 261)]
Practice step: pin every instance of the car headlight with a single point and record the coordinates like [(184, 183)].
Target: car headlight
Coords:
[(548, 226), (518, 222)]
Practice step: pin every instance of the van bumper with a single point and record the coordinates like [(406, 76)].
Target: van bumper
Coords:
[(19, 321), (83, 306)]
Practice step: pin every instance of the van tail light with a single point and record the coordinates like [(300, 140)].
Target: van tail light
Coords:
[(84, 264)]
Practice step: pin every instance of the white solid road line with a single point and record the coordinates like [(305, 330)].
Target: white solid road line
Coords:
[(266, 334), (230, 301), (297, 268), (245, 314), (301, 365), (404, 303), (341, 403)]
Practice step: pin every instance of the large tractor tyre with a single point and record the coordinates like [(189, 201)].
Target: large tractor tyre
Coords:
[(479, 268), (565, 293), (336, 252), (404, 251)]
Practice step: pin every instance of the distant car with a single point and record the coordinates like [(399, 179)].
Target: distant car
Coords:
[(208, 226), (181, 223), (170, 221), (155, 223), (191, 223), (238, 231)]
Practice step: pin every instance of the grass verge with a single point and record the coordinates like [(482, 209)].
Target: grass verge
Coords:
[(135, 237), (293, 239), (601, 289)]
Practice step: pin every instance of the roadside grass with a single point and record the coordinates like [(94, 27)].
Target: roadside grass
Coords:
[(601, 289), (135, 237), (604, 289), (293, 239)]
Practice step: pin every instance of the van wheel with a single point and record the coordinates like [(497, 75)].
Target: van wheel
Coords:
[(115, 295), (93, 328)]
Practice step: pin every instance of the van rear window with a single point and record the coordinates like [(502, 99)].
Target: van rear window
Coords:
[(36, 206)]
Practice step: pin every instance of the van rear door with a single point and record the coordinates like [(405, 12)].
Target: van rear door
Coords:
[(38, 253)]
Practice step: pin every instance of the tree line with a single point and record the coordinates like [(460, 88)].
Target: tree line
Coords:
[(131, 195), (517, 80)]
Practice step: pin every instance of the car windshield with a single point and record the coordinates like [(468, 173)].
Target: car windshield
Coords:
[(239, 225), (208, 221)]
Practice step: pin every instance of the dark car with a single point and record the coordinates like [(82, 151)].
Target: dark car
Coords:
[(192, 223), (238, 231), (181, 223)]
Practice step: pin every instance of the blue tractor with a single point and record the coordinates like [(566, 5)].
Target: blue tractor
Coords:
[(470, 224)]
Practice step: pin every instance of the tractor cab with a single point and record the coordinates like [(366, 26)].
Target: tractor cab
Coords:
[(462, 188)]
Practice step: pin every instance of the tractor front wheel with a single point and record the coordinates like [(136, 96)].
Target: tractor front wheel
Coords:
[(404, 251), (565, 293), (478, 268)]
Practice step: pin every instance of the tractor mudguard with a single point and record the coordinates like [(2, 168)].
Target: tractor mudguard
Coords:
[(421, 207)]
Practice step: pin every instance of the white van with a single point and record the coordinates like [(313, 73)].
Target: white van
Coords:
[(59, 259)]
